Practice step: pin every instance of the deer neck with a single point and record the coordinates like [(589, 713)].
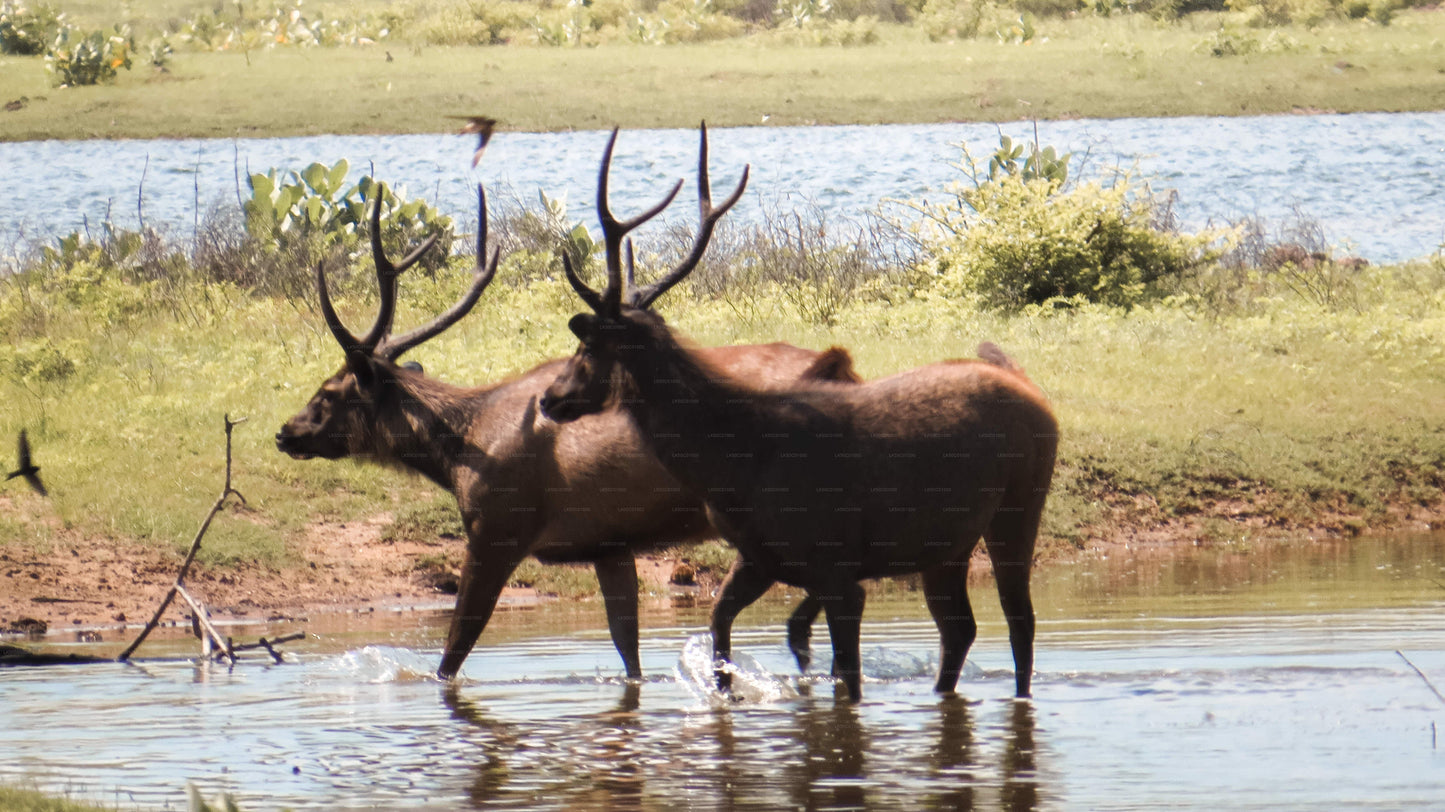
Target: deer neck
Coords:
[(425, 427), (700, 422)]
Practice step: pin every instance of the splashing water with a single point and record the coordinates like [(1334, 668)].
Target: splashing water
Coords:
[(384, 664), (881, 663), (753, 684)]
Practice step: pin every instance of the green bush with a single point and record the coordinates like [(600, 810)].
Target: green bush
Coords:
[(956, 19), (1014, 236), (27, 32), (479, 22), (74, 59), (314, 207)]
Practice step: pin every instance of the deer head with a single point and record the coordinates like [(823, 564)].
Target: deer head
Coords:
[(340, 419), (621, 308)]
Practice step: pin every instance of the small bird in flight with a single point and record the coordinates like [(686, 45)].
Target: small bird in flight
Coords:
[(482, 126), (28, 469)]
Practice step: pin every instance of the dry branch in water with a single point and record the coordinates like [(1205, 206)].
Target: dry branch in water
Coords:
[(204, 624), (1428, 683)]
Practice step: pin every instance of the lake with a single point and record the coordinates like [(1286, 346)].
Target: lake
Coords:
[(1373, 181), (1278, 678)]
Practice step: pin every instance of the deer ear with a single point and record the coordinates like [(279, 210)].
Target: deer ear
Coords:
[(583, 325)]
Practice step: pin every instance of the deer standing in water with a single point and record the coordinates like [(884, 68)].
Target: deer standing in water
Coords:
[(823, 485), (587, 491)]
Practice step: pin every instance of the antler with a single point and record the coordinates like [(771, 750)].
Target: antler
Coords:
[(484, 270), (609, 301), (708, 218), (377, 342)]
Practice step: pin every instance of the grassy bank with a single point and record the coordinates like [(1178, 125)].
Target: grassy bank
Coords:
[(1211, 387), (1131, 65), (14, 799), (1287, 415)]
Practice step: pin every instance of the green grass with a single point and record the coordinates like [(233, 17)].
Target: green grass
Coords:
[(1286, 413), (1114, 67), (15, 799)]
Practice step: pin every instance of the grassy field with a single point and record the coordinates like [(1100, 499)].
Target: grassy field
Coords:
[(1087, 66), (1284, 416)]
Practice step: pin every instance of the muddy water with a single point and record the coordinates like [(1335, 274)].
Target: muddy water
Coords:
[(1212, 679)]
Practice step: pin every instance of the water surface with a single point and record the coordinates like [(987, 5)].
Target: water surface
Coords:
[(1373, 180), (1211, 679)]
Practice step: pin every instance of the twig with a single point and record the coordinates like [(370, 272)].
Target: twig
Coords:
[(140, 195), (1428, 683), (196, 222), (275, 655), (275, 641), (195, 547), (205, 623)]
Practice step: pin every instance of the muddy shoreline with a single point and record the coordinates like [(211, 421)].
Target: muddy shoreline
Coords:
[(95, 588)]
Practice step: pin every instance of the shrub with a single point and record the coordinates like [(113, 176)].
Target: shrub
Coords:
[(682, 21), (26, 32), (310, 210), (955, 19), (75, 59), (479, 22), (1013, 237)]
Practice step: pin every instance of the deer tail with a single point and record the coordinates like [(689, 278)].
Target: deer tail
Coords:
[(833, 364)]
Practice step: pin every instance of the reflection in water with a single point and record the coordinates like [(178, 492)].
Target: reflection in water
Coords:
[(831, 774), (1020, 773), (953, 758), (813, 753)]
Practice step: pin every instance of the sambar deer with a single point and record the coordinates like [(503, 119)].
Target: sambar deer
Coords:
[(822, 486), (584, 492)]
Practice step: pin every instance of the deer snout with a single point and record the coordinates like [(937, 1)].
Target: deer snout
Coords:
[(288, 443), (555, 407)]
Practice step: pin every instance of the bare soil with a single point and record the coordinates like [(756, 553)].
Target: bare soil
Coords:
[(86, 586)]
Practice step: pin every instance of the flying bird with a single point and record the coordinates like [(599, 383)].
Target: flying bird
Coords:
[(28, 469), (482, 126)]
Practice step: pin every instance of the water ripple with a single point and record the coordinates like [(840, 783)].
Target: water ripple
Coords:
[(1371, 179)]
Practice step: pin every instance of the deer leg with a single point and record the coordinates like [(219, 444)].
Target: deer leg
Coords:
[(617, 576), (945, 587), (744, 585), (1010, 542), (800, 631), (481, 585), (1018, 610), (844, 610)]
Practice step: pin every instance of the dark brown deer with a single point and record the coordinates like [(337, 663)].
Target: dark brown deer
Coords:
[(584, 492), (824, 485)]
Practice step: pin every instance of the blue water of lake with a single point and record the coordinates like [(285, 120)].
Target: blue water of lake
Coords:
[(1374, 181)]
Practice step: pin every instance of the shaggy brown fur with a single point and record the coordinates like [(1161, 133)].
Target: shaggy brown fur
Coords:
[(822, 485), (588, 491)]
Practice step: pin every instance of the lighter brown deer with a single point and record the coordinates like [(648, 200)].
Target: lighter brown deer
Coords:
[(586, 491)]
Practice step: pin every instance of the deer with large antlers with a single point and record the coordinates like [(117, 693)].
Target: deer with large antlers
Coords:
[(582, 492), (822, 486)]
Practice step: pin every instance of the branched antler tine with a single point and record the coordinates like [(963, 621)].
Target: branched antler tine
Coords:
[(344, 337), (708, 217), (613, 230), (387, 272), (631, 266), (590, 296), (485, 269)]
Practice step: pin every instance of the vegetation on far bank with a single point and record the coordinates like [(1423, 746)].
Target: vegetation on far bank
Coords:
[(255, 70), (1220, 386), (17, 799)]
